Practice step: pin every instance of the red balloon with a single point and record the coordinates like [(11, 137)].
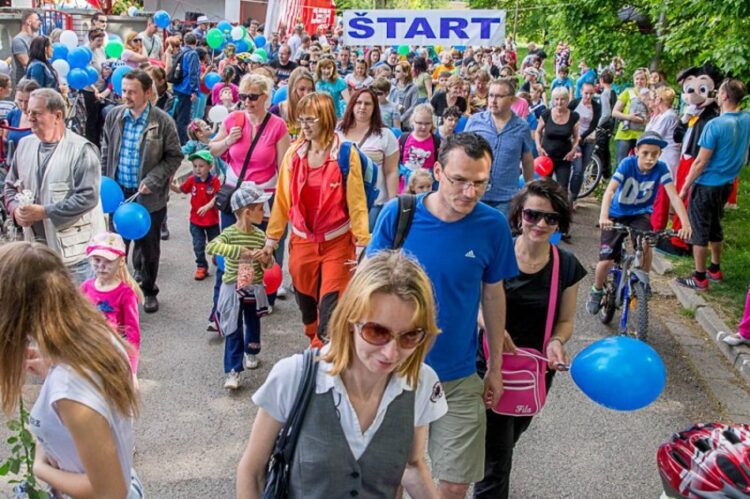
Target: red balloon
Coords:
[(272, 279), (543, 166)]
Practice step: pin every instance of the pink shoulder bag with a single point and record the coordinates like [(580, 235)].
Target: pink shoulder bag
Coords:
[(524, 381)]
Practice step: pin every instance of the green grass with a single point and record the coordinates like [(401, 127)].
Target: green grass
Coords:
[(735, 261)]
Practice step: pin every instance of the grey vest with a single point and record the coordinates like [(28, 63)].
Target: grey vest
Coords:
[(57, 184), (324, 467)]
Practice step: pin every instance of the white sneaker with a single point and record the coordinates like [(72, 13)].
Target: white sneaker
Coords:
[(251, 361), (212, 327), (282, 293), (233, 380), (734, 340)]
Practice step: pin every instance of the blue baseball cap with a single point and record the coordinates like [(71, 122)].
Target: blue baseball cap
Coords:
[(653, 138)]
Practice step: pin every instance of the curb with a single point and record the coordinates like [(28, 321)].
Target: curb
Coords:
[(710, 322)]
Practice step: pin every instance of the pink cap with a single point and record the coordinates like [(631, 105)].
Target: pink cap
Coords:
[(106, 245)]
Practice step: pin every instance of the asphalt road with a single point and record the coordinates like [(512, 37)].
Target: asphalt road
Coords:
[(192, 432)]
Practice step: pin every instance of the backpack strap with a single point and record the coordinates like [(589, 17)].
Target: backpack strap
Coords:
[(436, 144), (345, 151), (406, 207)]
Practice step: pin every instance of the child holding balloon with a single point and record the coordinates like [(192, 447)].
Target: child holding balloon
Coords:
[(114, 292), (199, 134), (242, 297)]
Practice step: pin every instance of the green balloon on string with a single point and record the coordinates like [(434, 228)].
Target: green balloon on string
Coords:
[(114, 49), (214, 38), (403, 50), (262, 53)]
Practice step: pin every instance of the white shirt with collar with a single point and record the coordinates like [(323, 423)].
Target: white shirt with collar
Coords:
[(276, 396)]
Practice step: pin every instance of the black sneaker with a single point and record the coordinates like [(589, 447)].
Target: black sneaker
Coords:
[(693, 282), (151, 304), (164, 232)]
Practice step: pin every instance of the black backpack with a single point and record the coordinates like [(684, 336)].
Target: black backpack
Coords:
[(177, 72), (407, 204)]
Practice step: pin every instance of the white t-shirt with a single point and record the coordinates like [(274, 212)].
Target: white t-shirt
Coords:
[(377, 148), (276, 396), (665, 124), (356, 84), (585, 116), (63, 383)]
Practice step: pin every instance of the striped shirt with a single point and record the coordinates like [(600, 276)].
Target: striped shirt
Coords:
[(229, 244), (128, 170)]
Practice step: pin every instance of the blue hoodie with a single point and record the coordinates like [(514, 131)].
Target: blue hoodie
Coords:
[(191, 70)]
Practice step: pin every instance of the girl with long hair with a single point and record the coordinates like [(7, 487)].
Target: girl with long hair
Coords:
[(40, 69), (301, 82), (329, 81), (85, 410)]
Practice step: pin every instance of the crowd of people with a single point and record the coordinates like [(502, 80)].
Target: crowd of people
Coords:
[(283, 147)]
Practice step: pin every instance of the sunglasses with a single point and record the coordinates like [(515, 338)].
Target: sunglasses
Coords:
[(251, 97), (375, 334), (534, 216)]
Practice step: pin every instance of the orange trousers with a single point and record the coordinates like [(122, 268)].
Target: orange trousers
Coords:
[(320, 272)]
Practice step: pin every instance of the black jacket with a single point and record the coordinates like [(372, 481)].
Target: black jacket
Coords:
[(597, 107)]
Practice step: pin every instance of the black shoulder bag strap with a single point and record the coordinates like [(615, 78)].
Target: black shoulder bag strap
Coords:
[(249, 152), (407, 204)]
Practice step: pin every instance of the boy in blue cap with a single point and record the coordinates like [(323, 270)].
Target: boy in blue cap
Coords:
[(629, 200)]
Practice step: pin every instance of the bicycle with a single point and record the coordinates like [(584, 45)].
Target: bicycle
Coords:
[(627, 286)]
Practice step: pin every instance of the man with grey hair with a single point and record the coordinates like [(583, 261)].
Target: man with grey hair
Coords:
[(54, 196)]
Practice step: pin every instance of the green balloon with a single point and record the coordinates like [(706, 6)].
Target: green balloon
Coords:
[(214, 38), (262, 53), (403, 50), (114, 49)]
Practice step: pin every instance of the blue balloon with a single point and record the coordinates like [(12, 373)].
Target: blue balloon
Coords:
[(78, 78), (555, 238), (397, 132), (260, 41), (78, 58), (92, 74), (521, 181), (111, 195), (59, 51), (114, 37), (225, 27), (280, 95), (117, 78), (241, 46), (161, 19), (461, 124), (89, 53), (220, 262), (132, 221), (620, 373), (211, 79)]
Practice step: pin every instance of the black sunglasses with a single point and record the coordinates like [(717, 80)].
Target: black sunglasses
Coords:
[(534, 216), (252, 97)]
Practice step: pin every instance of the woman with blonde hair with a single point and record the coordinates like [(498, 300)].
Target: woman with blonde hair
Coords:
[(134, 54), (83, 417), (360, 77), (632, 112), (365, 428), (664, 121), (301, 82), (327, 212)]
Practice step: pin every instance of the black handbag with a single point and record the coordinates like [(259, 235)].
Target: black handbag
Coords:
[(224, 196), (279, 466)]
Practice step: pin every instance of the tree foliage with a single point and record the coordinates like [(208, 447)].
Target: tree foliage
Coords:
[(692, 32)]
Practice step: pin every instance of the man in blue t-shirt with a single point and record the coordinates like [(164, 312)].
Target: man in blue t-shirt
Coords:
[(467, 250), (629, 200), (724, 146)]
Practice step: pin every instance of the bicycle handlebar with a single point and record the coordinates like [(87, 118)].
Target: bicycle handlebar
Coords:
[(649, 234)]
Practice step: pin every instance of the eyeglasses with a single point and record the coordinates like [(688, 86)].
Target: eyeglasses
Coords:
[(498, 96), (478, 185), (137, 40), (378, 92), (375, 334), (534, 216), (307, 121), (251, 97)]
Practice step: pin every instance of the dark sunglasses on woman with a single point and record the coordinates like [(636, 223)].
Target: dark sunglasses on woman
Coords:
[(251, 97), (375, 334), (534, 216)]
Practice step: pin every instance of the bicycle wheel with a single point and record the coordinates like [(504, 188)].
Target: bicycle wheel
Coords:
[(608, 301), (592, 175), (640, 296)]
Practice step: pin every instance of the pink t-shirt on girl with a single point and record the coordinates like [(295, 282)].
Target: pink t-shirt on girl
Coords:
[(521, 108), (120, 307), (262, 165), (417, 154), (216, 93)]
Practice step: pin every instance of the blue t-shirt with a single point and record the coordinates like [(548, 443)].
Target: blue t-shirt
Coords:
[(561, 82), (637, 190), (334, 89), (728, 136), (458, 257)]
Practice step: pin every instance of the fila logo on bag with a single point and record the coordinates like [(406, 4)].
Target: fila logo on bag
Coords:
[(523, 409)]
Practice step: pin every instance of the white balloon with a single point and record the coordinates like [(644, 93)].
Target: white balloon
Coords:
[(218, 114), (69, 39), (4, 68), (132, 11), (62, 67), (237, 33)]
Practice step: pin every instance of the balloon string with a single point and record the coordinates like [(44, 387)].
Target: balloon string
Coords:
[(132, 198), (540, 357)]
